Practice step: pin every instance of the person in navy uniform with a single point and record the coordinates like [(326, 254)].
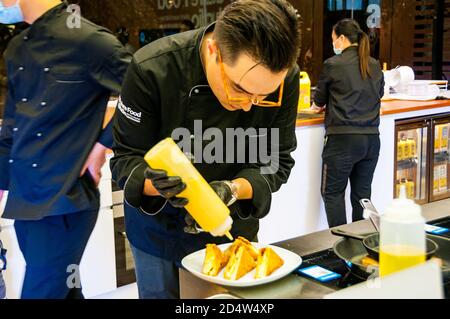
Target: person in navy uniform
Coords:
[(239, 72), (52, 143)]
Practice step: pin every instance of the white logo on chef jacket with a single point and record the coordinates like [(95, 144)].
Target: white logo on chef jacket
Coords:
[(129, 113)]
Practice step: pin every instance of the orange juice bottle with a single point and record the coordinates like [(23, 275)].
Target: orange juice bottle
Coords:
[(437, 138), (204, 205), (413, 146), (443, 178), (410, 189), (401, 150), (406, 149), (444, 138), (397, 188), (436, 178)]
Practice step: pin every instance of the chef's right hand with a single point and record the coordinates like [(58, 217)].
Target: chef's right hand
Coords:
[(167, 186)]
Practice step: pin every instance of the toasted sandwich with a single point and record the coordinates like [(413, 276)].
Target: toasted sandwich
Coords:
[(268, 262), (241, 262), (252, 249), (214, 261), (240, 241)]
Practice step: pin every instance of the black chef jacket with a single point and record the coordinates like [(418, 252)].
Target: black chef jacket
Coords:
[(59, 83), (166, 88), (353, 104)]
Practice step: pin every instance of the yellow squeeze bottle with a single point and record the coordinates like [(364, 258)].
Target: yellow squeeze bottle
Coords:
[(205, 206), (402, 235), (304, 99)]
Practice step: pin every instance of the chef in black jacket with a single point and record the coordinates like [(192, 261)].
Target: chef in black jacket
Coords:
[(239, 72), (52, 145), (349, 91)]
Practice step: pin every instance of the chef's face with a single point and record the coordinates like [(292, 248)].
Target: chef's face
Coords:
[(244, 81)]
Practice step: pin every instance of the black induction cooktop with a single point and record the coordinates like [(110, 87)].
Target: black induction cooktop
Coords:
[(346, 278)]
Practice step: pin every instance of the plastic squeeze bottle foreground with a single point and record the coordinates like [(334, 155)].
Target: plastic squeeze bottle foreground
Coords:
[(402, 235)]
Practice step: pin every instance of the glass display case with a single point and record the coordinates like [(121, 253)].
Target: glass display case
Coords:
[(412, 160), (440, 159), (422, 162)]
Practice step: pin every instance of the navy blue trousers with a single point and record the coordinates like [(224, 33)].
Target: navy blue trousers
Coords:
[(52, 248), (2, 287), (157, 278)]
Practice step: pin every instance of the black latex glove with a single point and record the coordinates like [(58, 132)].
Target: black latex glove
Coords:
[(167, 186), (223, 190), (224, 193)]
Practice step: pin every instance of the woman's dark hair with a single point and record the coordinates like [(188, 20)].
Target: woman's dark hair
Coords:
[(267, 30), (352, 31)]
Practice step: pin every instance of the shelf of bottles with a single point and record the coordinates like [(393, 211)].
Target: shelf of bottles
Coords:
[(411, 162), (441, 161)]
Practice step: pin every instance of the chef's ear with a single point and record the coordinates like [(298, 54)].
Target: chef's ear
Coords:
[(211, 46)]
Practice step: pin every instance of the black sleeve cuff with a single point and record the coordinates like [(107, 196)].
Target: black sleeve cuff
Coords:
[(106, 137), (259, 206), (133, 193)]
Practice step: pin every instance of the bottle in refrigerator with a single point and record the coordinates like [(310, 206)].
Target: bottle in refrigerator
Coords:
[(406, 149), (398, 185), (400, 150), (437, 138), (443, 178), (397, 188), (436, 173), (400, 182), (412, 147), (410, 185), (444, 138)]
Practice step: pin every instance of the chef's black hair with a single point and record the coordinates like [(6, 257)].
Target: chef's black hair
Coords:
[(267, 30)]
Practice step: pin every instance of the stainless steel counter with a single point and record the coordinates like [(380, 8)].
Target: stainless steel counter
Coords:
[(292, 286)]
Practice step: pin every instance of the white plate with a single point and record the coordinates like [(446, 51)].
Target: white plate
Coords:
[(194, 264)]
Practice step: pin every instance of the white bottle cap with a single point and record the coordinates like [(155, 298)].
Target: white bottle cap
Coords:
[(222, 229), (403, 209)]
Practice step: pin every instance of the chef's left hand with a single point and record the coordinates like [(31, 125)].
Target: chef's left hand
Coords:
[(94, 162), (222, 190)]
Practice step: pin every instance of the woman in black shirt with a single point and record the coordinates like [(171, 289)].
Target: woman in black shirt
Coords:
[(349, 91)]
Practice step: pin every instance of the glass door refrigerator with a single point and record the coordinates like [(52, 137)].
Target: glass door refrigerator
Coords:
[(411, 154), (439, 159)]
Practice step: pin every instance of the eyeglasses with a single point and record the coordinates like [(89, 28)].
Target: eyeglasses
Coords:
[(255, 100)]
